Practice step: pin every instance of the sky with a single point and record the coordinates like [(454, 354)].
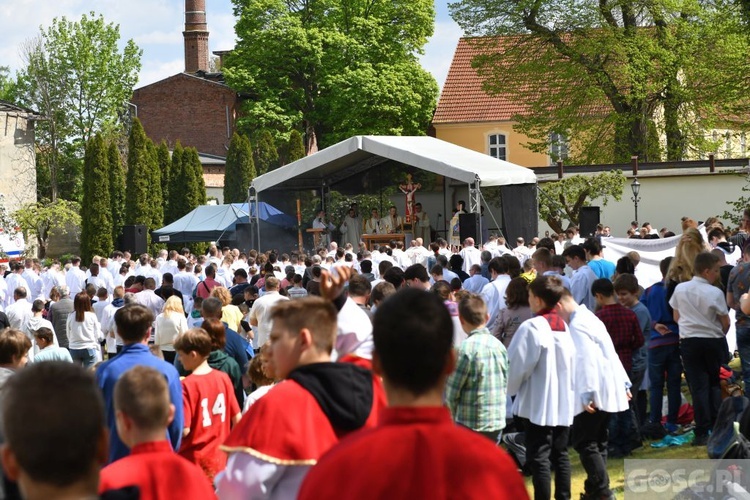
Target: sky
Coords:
[(156, 27)]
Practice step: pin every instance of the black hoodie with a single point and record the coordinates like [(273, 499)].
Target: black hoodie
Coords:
[(343, 391)]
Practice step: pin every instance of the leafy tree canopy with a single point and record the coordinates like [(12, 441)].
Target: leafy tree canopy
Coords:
[(80, 79), (606, 73), (45, 216), (562, 200), (335, 68)]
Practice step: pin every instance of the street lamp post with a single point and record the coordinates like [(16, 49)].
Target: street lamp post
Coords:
[(635, 186)]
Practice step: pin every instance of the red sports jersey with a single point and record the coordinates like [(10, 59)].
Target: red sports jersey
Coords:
[(209, 405)]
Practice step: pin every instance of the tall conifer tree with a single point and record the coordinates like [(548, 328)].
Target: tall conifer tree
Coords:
[(96, 230), (176, 201), (296, 147), (140, 161), (165, 167), (265, 156), (240, 169), (116, 191)]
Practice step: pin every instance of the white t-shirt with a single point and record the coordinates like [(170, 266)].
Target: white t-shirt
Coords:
[(261, 312), (699, 304)]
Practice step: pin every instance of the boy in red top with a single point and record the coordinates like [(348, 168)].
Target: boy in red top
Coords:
[(416, 451), (143, 412), (317, 403), (210, 407)]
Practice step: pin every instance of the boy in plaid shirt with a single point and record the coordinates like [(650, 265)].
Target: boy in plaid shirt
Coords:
[(476, 391), (624, 328)]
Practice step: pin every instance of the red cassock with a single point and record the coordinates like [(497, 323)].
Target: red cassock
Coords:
[(415, 453), (158, 472), (287, 426)]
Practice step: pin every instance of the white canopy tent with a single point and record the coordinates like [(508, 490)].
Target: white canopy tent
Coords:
[(358, 154)]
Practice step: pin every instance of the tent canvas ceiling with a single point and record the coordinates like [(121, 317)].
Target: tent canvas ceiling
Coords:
[(360, 153)]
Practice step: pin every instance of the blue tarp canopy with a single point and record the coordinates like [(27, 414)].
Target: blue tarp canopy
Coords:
[(218, 222)]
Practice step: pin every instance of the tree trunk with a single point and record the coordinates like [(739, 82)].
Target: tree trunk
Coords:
[(42, 250), (555, 224), (675, 137), (631, 135)]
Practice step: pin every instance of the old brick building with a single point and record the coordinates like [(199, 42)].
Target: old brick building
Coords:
[(196, 110), (195, 107)]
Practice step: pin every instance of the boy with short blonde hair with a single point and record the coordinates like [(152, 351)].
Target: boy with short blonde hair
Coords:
[(143, 412), (476, 391)]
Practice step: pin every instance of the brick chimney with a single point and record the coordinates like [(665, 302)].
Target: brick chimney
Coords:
[(196, 36)]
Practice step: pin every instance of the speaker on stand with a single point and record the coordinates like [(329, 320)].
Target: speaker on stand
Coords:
[(133, 239), (468, 227), (588, 219)]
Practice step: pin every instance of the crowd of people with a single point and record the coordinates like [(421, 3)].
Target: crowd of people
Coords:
[(356, 373)]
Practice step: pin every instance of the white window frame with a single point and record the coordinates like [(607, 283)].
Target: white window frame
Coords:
[(499, 146)]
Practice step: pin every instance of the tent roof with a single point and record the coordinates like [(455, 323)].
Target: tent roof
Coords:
[(213, 222), (360, 153)]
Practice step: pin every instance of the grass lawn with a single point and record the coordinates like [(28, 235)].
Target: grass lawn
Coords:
[(616, 467)]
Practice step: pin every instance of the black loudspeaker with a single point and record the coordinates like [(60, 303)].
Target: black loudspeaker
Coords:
[(243, 236), (588, 219), (468, 227), (133, 239)]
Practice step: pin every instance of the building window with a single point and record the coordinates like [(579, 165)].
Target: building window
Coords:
[(497, 146), (558, 147), (728, 144)]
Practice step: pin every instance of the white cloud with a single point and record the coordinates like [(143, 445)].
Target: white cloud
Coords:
[(158, 38), (156, 26), (153, 71)]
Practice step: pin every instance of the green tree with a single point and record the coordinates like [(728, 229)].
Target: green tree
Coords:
[(138, 190), (296, 147), (41, 218), (605, 73), (240, 169), (197, 184), (265, 156), (165, 167), (176, 202), (155, 201), (335, 68), (77, 76), (187, 182), (96, 215), (116, 190), (562, 200), (8, 86)]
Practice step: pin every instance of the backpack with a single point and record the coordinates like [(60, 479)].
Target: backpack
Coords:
[(726, 440)]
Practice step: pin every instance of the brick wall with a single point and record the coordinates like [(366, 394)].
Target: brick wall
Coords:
[(189, 109)]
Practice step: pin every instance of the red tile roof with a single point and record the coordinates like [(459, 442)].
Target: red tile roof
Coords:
[(463, 99)]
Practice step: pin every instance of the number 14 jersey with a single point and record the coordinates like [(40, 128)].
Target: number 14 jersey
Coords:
[(209, 406)]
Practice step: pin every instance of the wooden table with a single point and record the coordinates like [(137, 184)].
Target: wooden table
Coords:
[(371, 239)]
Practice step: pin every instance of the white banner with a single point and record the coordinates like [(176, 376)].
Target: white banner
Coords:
[(652, 252)]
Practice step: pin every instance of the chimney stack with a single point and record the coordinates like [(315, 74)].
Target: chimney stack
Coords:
[(196, 36)]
